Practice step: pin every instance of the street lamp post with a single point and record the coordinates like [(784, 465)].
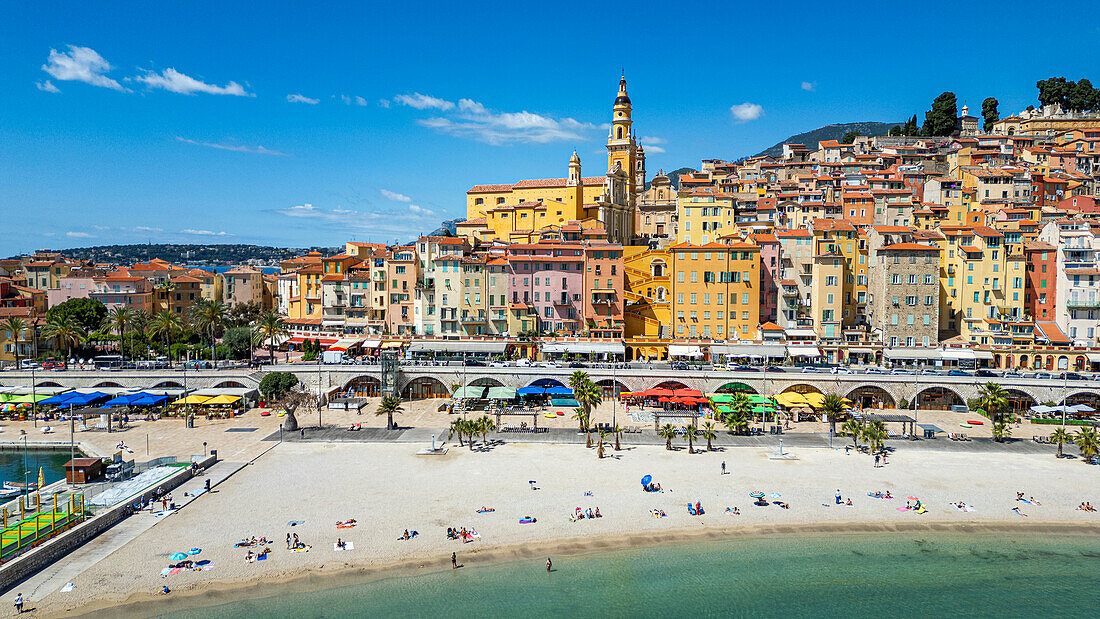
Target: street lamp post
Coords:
[(34, 396), (319, 390)]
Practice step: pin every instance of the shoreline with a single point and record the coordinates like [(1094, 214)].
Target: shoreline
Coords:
[(321, 578)]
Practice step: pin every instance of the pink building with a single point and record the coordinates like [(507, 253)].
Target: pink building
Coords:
[(603, 290), (124, 291), (79, 287), (549, 277), (769, 275)]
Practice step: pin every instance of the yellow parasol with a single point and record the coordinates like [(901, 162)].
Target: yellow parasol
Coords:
[(41, 478)]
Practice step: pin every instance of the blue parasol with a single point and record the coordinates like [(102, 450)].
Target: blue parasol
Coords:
[(177, 556), (774, 495), (756, 494), (646, 480), (194, 551)]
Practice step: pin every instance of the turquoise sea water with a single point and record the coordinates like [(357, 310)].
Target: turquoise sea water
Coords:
[(907, 575)]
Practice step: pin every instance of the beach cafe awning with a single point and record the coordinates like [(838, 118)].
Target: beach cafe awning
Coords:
[(721, 397), (391, 345), (222, 400), (791, 400), (814, 399), (123, 400), (469, 391), (323, 341), (682, 350), (501, 393), (28, 398), (586, 348), (344, 344), (960, 354), (149, 399), (803, 351), (1093, 357), (531, 390), (59, 399), (192, 399), (556, 390), (497, 347), (371, 344)]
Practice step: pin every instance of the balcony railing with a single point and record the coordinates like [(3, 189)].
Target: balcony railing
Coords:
[(1082, 304)]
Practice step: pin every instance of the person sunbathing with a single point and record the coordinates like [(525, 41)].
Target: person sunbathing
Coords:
[(848, 502), (887, 495), (249, 558), (597, 514), (783, 505), (341, 544)]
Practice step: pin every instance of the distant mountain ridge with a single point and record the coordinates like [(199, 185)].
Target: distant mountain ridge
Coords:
[(193, 254), (829, 132)]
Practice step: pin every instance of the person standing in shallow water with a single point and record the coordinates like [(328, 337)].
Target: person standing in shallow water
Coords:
[(549, 564), (454, 560)]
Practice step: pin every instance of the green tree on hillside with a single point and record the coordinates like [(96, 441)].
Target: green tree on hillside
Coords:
[(87, 313), (849, 137), (940, 120), (989, 113)]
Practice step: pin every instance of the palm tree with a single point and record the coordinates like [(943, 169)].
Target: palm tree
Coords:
[(741, 404), (736, 421), (118, 319), (389, 406), (1061, 437), (709, 434), (618, 430), (1001, 431), (270, 326), (689, 436), (1088, 442), (993, 399), (576, 379), (874, 433), (485, 425), (458, 426), (65, 331), (667, 432), (589, 395), (581, 415), (602, 434), (832, 409), (853, 429), (16, 327), (165, 325), (209, 317)]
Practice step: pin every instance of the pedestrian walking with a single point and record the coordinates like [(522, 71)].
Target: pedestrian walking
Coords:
[(288, 541), (838, 496), (454, 560), (876, 460), (723, 467), (19, 603)]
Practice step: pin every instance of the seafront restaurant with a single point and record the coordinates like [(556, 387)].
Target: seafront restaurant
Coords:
[(595, 351)]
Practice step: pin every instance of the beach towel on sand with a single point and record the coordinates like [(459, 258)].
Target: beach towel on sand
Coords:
[(68, 587), (294, 523), (176, 570), (165, 572), (903, 509), (347, 546)]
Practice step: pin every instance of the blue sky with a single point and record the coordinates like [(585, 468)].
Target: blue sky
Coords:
[(315, 123)]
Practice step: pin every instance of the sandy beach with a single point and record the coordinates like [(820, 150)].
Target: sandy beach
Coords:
[(388, 489)]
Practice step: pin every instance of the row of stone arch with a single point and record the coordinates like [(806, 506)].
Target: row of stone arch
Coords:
[(166, 384), (865, 396)]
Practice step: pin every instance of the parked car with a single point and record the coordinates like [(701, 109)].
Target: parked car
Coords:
[(1074, 376), (53, 364), (498, 364), (1043, 375), (774, 368), (985, 374), (901, 372), (28, 364), (840, 370), (958, 373), (742, 368), (1012, 374), (929, 372), (874, 369), (474, 363), (577, 364), (809, 369)]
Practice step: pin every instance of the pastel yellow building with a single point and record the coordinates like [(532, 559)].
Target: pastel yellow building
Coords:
[(646, 292), (716, 291), (981, 283), (704, 215)]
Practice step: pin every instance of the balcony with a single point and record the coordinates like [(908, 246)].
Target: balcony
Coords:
[(1087, 304)]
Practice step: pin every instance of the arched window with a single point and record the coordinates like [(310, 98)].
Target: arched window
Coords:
[(620, 133)]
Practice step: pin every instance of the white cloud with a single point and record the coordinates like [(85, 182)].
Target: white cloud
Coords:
[(194, 232), (238, 148), (653, 149), (303, 210), (101, 227), (477, 122), (357, 100), (384, 103), (301, 99), (47, 86), (360, 101), (174, 81), (413, 208), (649, 139), (745, 112), (393, 195), (809, 86), (424, 102), (78, 235), (79, 64), (147, 229)]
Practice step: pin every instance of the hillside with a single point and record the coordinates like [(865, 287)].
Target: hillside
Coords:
[(214, 254), (829, 132)]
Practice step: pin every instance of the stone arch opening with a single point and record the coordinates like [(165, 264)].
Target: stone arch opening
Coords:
[(661, 294), (871, 396), (735, 387), (611, 388), (938, 398), (1018, 401), (50, 383), (1088, 398), (1080, 362), (485, 381), (801, 389), (107, 383), (1063, 362), (547, 382), (426, 387), (231, 384), (671, 384), (363, 387), (168, 384)]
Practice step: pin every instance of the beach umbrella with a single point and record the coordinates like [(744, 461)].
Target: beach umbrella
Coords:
[(646, 480), (775, 495), (177, 556), (912, 498), (194, 551), (756, 494), (41, 478)]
